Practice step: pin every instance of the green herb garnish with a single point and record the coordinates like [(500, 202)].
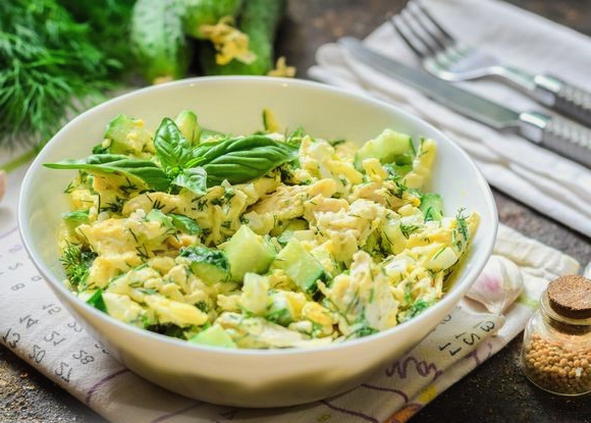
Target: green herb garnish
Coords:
[(77, 262), (144, 171), (408, 230), (50, 65), (242, 159)]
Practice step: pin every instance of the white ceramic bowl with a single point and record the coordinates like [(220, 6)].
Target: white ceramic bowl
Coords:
[(251, 378)]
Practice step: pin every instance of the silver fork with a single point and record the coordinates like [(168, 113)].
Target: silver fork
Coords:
[(447, 58)]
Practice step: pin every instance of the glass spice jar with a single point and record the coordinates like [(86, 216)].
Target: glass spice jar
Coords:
[(556, 353)]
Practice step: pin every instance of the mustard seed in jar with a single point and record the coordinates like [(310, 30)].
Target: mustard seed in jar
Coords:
[(556, 352)]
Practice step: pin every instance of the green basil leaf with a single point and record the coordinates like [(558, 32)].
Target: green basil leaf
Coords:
[(239, 160), (195, 180), (173, 150), (185, 224), (145, 171), (210, 151)]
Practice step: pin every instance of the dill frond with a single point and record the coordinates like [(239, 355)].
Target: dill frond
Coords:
[(49, 67), (76, 262)]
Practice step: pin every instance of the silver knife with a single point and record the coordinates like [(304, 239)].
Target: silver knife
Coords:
[(556, 133)]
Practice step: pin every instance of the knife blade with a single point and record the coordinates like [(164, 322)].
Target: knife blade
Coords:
[(561, 135)]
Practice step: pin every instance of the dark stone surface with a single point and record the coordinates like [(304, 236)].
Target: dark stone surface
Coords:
[(26, 396), (496, 391)]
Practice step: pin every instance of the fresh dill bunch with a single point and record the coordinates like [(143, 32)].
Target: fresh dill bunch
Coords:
[(110, 26), (48, 67), (76, 263)]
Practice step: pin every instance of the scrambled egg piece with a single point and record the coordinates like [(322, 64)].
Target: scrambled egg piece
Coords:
[(340, 243), (363, 298)]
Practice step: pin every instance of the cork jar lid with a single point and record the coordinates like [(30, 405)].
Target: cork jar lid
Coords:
[(570, 296)]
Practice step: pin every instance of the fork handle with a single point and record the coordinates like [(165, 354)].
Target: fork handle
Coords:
[(559, 134), (564, 97)]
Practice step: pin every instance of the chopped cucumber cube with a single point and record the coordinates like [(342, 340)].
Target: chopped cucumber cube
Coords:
[(270, 123), (299, 265), (248, 252), (127, 135), (187, 124), (387, 147), (210, 265), (96, 300), (431, 206), (214, 336)]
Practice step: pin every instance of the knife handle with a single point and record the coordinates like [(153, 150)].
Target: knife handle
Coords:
[(564, 97), (559, 134)]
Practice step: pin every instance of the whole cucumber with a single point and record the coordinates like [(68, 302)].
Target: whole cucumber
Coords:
[(259, 20), (197, 13), (158, 40)]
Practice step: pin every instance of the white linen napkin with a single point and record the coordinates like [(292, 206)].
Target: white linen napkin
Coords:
[(40, 330), (537, 177)]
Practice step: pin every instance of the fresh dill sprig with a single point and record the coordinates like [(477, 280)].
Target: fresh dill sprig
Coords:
[(462, 229), (109, 22), (462, 224), (76, 262), (49, 67)]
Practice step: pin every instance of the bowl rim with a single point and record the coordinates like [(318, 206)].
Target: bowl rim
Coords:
[(461, 285)]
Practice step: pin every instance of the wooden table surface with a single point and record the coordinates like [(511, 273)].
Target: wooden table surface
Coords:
[(496, 391)]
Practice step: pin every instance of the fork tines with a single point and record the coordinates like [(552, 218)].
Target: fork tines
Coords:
[(423, 34)]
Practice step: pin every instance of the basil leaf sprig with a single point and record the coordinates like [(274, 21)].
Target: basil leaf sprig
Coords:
[(176, 157), (172, 148), (145, 171), (173, 152), (193, 179), (242, 159), (178, 163)]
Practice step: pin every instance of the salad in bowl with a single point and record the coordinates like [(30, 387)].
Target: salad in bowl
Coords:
[(275, 239)]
